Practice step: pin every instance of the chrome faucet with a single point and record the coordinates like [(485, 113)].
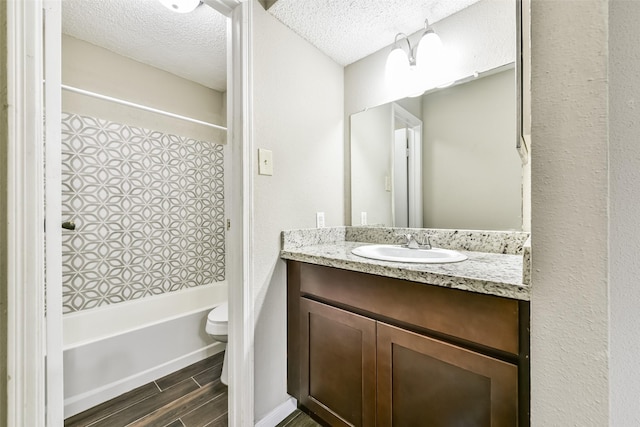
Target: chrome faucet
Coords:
[(413, 243)]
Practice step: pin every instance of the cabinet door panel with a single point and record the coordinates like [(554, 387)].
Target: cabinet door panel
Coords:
[(338, 367), (423, 381)]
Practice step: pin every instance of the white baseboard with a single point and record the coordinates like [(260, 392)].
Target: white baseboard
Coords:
[(281, 412), (76, 404)]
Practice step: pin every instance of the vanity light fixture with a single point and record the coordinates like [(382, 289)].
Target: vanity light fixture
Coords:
[(398, 62), (181, 6), (412, 70), (429, 48)]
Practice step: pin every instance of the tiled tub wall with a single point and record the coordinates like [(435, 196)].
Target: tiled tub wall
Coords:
[(148, 208)]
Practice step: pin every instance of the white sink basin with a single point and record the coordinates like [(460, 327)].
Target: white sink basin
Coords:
[(398, 253)]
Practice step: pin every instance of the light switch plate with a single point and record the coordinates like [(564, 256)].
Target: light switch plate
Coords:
[(320, 219), (265, 162)]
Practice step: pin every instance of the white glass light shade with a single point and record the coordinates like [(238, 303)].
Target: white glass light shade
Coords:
[(180, 6), (398, 73), (430, 59), (397, 65), (429, 49)]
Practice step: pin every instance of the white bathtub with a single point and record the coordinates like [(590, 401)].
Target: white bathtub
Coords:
[(114, 349)]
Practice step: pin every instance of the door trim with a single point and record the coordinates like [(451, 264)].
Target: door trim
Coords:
[(53, 213), (240, 205), (414, 191), (25, 215)]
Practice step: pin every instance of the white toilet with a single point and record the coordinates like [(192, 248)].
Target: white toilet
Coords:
[(218, 328)]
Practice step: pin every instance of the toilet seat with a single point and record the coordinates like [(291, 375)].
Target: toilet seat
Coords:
[(218, 320)]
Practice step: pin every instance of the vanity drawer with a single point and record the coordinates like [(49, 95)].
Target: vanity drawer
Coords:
[(486, 320)]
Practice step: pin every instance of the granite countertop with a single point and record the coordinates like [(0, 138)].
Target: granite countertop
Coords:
[(492, 273)]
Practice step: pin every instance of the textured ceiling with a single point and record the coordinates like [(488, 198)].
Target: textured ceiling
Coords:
[(349, 30), (191, 45)]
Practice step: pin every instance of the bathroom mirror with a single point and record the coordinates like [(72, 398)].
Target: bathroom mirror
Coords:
[(457, 168), (456, 163)]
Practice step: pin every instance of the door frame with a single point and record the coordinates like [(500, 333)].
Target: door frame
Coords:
[(52, 69), (27, 331), (414, 124), (400, 177), (240, 236), (25, 341)]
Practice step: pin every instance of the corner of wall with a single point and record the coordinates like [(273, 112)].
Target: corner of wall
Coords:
[(569, 208), (298, 104), (624, 203)]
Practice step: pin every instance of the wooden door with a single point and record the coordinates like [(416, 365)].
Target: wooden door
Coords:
[(426, 382), (338, 364)]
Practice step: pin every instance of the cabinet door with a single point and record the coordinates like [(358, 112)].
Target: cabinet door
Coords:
[(426, 382), (338, 364)]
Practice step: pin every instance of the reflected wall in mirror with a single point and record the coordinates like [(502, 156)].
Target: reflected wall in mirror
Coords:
[(471, 172), (386, 167)]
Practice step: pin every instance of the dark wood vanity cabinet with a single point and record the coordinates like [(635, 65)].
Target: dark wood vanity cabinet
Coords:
[(365, 350), (338, 364), (426, 382)]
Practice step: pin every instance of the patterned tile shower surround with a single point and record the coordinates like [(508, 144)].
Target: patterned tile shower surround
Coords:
[(148, 208)]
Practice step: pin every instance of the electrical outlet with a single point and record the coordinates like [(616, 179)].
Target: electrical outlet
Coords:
[(363, 218), (320, 219)]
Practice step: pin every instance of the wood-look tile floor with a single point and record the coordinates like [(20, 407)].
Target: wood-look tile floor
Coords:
[(191, 397), (298, 419)]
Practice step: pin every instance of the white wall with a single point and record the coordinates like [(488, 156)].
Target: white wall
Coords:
[(99, 70), (298, 114), (624, 205), (570, 247), (412, 105), (471, 170), (371, 137), (482, 36)]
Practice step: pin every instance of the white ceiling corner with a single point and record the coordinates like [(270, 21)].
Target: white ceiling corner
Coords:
[(192, 45)]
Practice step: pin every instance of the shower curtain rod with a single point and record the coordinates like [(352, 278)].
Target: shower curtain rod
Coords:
[(139, 106)]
